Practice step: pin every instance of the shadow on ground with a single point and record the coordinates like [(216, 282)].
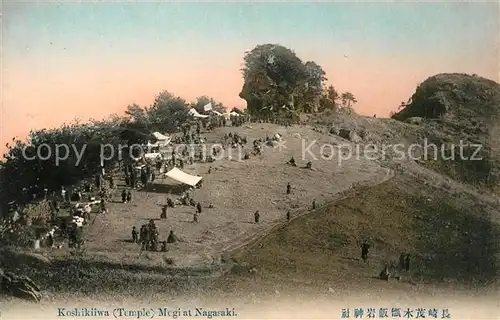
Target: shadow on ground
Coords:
[(72, 274), (449, 240), (177, 189)]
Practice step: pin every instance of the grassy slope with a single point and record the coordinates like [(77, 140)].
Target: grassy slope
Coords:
[(449, 242)]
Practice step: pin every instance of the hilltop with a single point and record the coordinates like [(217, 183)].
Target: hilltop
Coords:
[(460, 108), (445, 111), (455, 98)]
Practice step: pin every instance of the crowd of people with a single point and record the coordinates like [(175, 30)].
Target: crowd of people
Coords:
[(81, 201)]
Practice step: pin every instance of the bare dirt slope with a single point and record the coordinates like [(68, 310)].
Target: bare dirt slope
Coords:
[(236, 189)]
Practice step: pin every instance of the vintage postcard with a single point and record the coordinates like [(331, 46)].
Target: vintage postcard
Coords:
[(250, 160)]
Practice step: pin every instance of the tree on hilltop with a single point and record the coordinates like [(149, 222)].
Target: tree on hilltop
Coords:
[(167, 112), (137, 113), (348, 100), (329, 99), (313, 87), (278, 83), (332, 94)]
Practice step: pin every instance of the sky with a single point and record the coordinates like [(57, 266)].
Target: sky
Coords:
[(67, 60)]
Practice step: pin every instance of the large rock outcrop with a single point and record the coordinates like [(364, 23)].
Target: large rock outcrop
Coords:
[(454, 97), (461, 109)]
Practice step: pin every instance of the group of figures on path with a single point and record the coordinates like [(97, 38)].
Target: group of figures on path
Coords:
[(148, 237), (404, 262)]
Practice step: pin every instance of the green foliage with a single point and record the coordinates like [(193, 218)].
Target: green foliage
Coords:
[(137, 114), (24, 173), (279, 84), (237, 110), (165, 115), (168, 112), (25, 170), (348, 99), (329, 99), (38, 212)]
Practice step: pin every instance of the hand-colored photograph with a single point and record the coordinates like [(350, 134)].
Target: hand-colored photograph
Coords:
[(250, 160)]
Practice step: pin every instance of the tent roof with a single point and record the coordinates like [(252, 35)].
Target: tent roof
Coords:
[(195, 113), (149, 144), (160, 136), (152, 155), (183, 177)]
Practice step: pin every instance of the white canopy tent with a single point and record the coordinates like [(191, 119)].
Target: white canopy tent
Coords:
[(152, 145), (183, 177), (159, 136), (195, 113), (162, 139), (233, 113), (216, 112)]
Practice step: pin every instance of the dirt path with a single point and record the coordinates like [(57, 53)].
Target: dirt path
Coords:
[(301, 212)]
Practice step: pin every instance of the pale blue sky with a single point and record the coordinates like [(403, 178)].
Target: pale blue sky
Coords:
[(381, 27), (90, 59)]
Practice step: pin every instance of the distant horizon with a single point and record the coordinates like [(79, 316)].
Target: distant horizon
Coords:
[(66, 61)]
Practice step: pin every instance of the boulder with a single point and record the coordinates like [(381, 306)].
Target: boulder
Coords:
[(334, 130), (350, 135), (414, 120), (345, 133)]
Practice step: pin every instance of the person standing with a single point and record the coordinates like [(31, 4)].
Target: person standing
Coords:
[(134, 235), (365, 249), (63, 194), (402, 261), (407, 263)]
